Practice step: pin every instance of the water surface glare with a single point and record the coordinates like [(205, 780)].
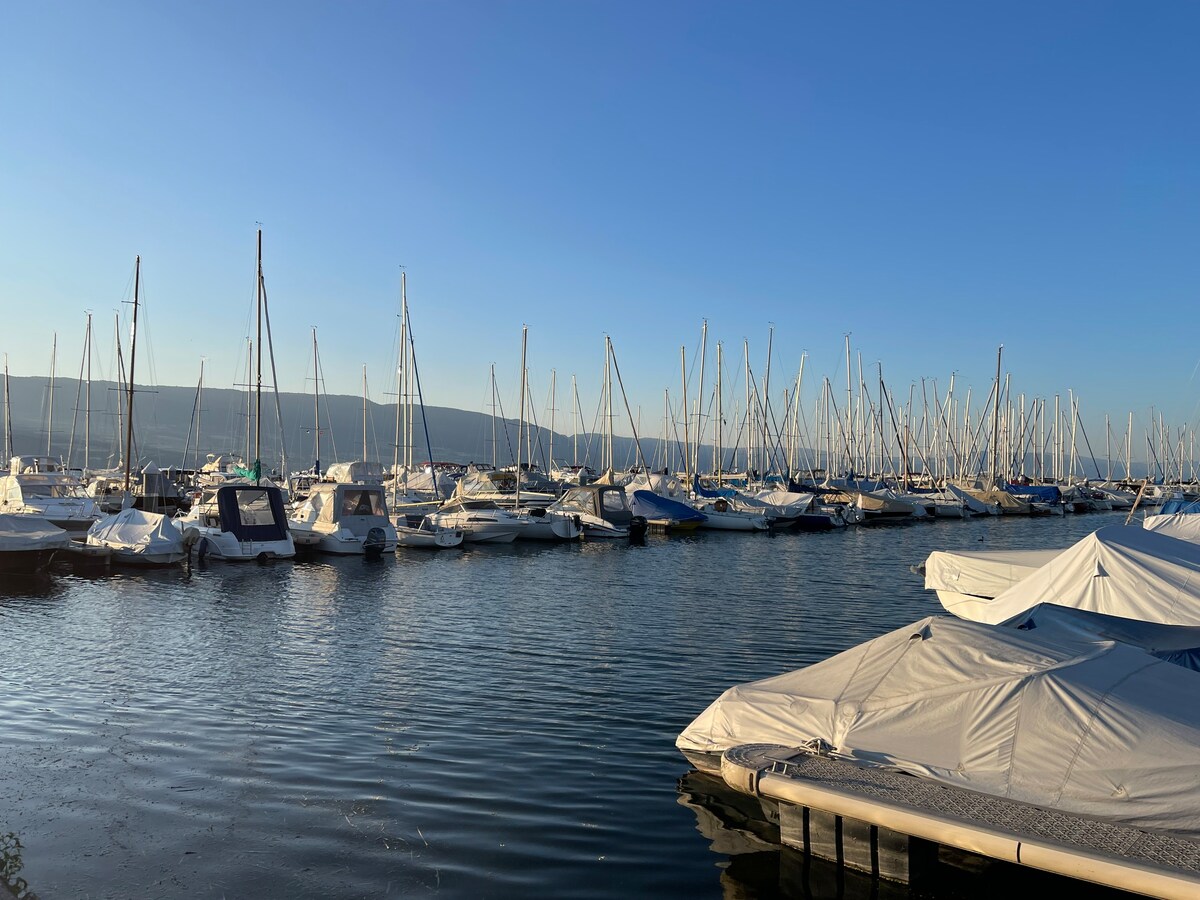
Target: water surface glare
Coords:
[(490, 722)]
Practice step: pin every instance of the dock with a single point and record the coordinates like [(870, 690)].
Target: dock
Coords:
[(890, 824)]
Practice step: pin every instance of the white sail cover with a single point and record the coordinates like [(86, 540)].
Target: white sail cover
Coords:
[(1119, 570), (980, 573), (137, 531), (1092, 727), (1185, 526), (30, 533)]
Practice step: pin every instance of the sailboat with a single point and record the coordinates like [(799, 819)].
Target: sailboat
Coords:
[(243, 519), (134, 536)]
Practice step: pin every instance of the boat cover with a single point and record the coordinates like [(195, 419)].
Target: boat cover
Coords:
[(1182, 525), (1179, 504), (132, 529), (30, 533), (1043, 493), (652, 506), (1179, 644), (973, 503), (981, 573), (1118, 570), (1091, 727), (711, 493)]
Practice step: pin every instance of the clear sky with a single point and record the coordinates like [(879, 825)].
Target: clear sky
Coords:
[(936, 179)]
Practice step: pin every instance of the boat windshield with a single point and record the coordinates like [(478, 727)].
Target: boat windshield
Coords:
[(254, 508), (56, 491), (363, 503), (614, 501)]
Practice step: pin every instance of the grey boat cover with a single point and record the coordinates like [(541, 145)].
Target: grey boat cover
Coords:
[(1118, 570), (138, 532), (1057, 719), (30, 533), (1185, 526), (981, 573)]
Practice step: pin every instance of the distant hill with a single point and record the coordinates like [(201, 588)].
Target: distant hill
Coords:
[(165, 426)]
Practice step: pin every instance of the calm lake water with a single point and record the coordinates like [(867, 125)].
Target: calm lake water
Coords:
[(490, 722)]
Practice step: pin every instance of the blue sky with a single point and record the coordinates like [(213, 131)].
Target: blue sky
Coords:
[(936, 179)]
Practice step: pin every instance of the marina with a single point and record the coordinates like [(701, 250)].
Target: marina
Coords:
[(497, 720)]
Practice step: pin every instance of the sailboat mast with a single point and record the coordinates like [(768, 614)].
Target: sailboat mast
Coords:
[(316, 409), (364, 413), (50, 419), (87, 415), (495, 456), (521, 420), (258, 368), (687, 445), (553, 375), (720, 420), (7, 415), (700, 396), (399, 395), (574, 421), (137, 276), (995, 424)]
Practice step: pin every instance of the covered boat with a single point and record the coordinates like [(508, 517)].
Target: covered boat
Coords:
[(663, 513), (28, 545), (420, 531), (138, 538), (963, 578), (1064, 721), (1118, 570)]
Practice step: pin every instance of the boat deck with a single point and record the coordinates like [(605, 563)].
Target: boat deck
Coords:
[(1157, 864)]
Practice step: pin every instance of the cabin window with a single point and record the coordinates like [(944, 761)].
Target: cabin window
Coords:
[(613, 500), (362, 503), (254, 508)]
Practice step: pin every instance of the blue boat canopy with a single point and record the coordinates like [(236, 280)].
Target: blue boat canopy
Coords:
[(1046, 493), (653, 506)]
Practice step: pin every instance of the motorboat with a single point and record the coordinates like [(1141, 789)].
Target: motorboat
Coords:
[(49, 494), (344, 518), (138, 538), (543, 524), (421, 531), (238, 521), (721, 515), (664, 514), (480, 521), (603, 511), (28, 545), (964, 579), (500, 486)]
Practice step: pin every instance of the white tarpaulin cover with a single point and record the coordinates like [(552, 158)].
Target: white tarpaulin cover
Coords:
[(980, 573), (1092, 727), (1185, 526), (142, 532), (30, 533), (1119, 570)]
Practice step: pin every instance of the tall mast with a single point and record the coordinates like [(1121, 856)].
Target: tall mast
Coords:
[(399, 394), (364, 413), (687, 445), (137, 275), (553, 374), (7, 415), (700, 396), (50, 420), (849, 406), (574, 421), (87, 415), (720, 419), (995, 422), (495, 451), (199, 411), (258, 369), (521, 420), (316, 408), (608, 401)]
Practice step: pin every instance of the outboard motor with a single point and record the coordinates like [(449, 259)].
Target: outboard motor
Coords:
[(374, 543)]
